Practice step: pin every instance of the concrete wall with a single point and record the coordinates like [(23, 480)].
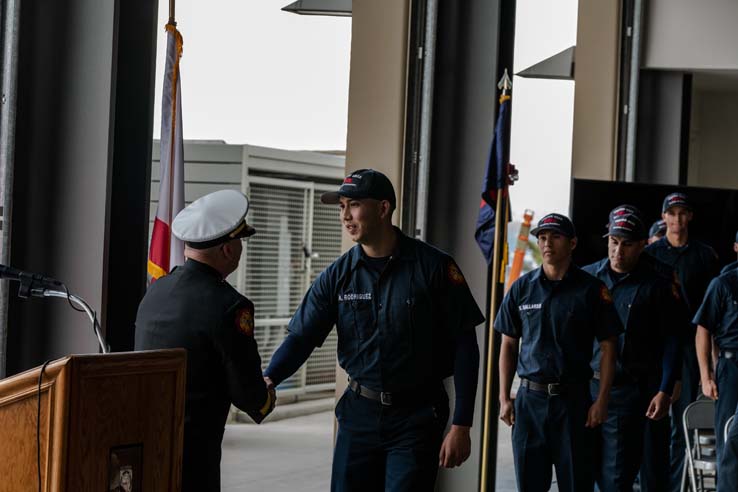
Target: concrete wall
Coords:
[(594, 143), (685, 35), (63, 138), (63, 219), (661, 117), (713, 147), (463, 120), (376, 116)]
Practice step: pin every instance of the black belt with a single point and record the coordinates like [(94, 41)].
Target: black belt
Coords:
[(553, 389), (388, 399), (728, 354)]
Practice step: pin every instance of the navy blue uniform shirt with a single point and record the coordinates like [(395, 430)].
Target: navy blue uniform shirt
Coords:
[(719, 311), (557, 323), (651, 312), (695, 264), (396, 328), (729, 267)]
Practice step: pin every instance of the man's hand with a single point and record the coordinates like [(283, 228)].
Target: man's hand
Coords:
[(659, 406), (597, 413), (456, 447), (507, 412), (269, 383), (709, 388)]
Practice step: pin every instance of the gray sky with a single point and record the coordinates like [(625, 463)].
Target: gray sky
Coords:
[(543, 110), (252, 74)]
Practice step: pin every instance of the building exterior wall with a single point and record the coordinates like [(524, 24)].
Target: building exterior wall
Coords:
[(688, 35), (596, 105)]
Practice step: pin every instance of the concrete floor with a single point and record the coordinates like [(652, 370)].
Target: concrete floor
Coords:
[(295, 454), (286, 455)]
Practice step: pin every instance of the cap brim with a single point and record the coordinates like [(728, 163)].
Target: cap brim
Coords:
[(629, 237), (683, 205), (247, 231), (330, 197), (536, 230), (334, 197)]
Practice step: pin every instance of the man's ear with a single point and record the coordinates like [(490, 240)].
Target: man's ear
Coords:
[(385, 209), (228, 250), (573, 242)]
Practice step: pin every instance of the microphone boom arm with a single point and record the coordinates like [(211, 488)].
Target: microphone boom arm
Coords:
[(86, 307)]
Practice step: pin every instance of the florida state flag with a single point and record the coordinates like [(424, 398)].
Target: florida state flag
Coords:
[(166, 251)]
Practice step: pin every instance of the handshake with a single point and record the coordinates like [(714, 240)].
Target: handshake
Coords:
[(259, 415)]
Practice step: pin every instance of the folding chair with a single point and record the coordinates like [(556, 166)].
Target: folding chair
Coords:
[(699, 434)]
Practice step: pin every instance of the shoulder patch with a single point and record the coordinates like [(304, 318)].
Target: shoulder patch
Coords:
[(454, 274), (245, 321), (605, 295)]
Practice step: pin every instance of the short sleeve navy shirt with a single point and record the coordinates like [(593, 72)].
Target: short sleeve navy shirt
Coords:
[(396, 327), (719, 311), (557, 323), (649, 308), (695, 264)]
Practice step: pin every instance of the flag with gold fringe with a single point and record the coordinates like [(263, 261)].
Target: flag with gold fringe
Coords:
[(166, 251)]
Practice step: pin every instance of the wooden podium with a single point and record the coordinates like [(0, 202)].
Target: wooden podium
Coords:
[(106, 422)]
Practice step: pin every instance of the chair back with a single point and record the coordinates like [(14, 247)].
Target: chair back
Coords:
[(699, 415), (727, 427)]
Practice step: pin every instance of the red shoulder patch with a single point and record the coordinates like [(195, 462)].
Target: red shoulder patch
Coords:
[(454, 274), (245, 321), (605, 295)]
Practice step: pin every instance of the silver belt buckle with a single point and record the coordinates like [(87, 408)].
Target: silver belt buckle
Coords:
[(553, 389), (385, 398)]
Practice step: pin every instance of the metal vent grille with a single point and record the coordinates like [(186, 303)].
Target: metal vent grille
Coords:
[(297, 238), (326, 247)]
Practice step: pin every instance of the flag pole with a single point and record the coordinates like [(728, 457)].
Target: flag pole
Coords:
[(489, 449), (171, 12)]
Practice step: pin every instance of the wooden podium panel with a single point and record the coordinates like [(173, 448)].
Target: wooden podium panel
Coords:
[(104, 418)]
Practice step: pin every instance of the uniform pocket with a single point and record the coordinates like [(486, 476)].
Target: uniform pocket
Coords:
[(363, 319)]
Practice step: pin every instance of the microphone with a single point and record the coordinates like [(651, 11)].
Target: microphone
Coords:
[(28, 280)]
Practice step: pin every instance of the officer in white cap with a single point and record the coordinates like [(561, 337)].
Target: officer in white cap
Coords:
[(195, 308)]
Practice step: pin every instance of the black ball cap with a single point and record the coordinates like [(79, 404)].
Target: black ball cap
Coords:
[(556, 223), (626, 221), (363, 183), (676, 200), (658, 227), (627, 226)]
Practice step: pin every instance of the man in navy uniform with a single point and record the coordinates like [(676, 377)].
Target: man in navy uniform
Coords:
[(717, 319), (195, 308), (405, 319), (733, 265), (554, 314), (695, 264), (648, 305)]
